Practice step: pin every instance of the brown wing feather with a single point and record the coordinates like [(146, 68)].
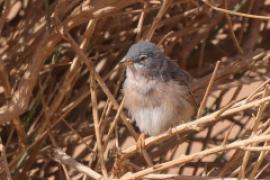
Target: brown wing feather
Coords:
[(184, 78)]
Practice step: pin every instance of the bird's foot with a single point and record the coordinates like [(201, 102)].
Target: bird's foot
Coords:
[(170, 131), (140, 142)]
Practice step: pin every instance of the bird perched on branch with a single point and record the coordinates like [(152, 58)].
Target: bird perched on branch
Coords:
[(156, 90)]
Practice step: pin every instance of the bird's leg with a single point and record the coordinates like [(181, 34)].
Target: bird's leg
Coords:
[(140, 142), (176, 135), (170, 130)]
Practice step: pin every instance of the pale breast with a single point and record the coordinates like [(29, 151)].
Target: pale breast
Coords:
[(156, 105)]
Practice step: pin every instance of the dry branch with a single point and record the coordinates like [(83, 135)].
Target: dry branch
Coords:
[(62, 157), (195, 125), (47, 56), (198, 155)]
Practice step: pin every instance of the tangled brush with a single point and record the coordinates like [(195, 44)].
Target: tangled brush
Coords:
[(61, 106)]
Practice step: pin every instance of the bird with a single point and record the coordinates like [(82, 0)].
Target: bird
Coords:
[(156, 90)]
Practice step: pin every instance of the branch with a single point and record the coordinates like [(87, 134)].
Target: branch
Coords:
[(198, 155), (62, 157)]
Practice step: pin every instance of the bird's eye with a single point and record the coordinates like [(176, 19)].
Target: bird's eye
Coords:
[(143, 57), (150, 54)]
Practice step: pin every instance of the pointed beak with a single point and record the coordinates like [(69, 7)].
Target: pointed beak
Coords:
[(126, 61)]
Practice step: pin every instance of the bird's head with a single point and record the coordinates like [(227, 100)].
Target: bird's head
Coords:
[(145, 56)]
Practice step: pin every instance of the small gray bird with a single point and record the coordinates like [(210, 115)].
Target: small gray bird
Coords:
[(157, 93)]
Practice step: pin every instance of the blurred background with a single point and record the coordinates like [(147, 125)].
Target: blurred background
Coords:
[(60, 85)]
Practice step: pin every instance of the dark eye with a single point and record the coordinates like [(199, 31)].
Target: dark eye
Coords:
[(143, 57), (150, 54)]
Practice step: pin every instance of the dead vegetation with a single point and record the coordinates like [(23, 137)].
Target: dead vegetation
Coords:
[(62, 110)]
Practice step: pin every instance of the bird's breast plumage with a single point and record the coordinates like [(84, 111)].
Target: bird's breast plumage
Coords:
[(154, 104)]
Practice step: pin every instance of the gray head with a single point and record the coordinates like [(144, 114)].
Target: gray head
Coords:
[(145, 56)]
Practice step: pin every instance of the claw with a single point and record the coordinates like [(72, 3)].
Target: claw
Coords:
[(170, 130), (140, 142)]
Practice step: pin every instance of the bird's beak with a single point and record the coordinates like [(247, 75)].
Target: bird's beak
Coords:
[(126, 61)]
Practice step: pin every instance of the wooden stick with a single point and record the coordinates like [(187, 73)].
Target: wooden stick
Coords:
[(208, 89), (180, 177), (255, 125), (113, 124), (235, 13), (140, 22), (105, 89), (4, 159), (166, 4), (62, 157), (197, 155), (194, 125), (235, 41), (96, 124)]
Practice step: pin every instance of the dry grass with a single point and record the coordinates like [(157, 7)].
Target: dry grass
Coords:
[(61, 107)]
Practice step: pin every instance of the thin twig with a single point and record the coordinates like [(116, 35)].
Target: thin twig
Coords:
[(4, 159), (262, 154), (236, 13), (96, 124), (255, 125), (235, 41), (194, 125), (181, 177), (140, 22), (62, 157), (113, 124), (251, 95), (16, 121), (198, 155), (208, 89), (106, 90), (165, 5)]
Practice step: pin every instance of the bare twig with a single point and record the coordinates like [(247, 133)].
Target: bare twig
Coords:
[(96, 124), (195, 125), (4, 159), (198, 155), (235, 13), (179, 177), (113, 124), (47, 55), (254, 132), (166, 4), (208, 89), (105, 89), (235, 41), (62, 157), (140, 22), (16, 121)]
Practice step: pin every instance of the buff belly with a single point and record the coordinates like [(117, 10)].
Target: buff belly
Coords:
[(155, 105), (152, 120)]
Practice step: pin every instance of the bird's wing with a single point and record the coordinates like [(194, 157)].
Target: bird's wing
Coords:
[(183, 77), (178, 74)]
